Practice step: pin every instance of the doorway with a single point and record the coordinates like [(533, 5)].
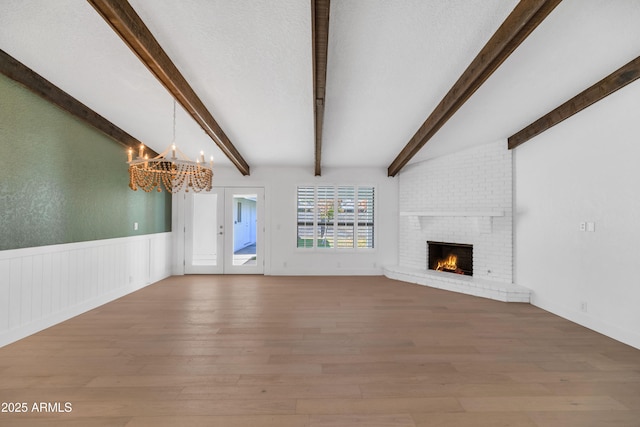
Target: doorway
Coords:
[(224, 231)]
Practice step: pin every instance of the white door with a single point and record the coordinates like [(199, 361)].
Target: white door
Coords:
[(204, 232), (224, 231)]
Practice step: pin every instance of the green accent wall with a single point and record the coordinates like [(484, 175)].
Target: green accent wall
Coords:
[(63, 181)]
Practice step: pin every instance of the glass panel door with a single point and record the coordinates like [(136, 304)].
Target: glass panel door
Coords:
[(245, 224)]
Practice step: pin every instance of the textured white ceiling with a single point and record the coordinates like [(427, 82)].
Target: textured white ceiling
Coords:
[(69, 44), (578, 44), (250, 63), (389, 63)]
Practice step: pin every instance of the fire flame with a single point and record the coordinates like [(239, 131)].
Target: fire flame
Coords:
[(450, 263)]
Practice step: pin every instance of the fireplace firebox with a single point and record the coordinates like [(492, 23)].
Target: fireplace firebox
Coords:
[(450, 257)]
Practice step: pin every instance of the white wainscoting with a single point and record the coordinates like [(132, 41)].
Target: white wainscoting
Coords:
[(45, 285)]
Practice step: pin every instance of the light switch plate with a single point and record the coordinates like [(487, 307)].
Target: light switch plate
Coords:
[(591, 226)]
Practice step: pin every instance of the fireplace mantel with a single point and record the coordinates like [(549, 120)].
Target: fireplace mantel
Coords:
[(472, 214), (483, 220)]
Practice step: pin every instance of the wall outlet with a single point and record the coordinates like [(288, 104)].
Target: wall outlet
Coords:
[(135, 225), (583, 226), (583, 306)]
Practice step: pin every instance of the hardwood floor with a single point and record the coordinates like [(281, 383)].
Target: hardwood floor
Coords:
[(318, 352)]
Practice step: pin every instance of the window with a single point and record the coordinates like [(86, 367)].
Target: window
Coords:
[(336, 217)]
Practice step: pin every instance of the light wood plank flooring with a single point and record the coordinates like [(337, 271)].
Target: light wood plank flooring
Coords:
[(319, 352)]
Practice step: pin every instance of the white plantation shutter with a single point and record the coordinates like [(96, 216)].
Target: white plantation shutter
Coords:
[(336, 217), (345, 217), (325, 205), (306, 218), (365, 211)]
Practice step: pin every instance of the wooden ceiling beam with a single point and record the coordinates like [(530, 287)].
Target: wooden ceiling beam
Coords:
[(524, 18), (320, 39), (15, 70), (130, 27), (614, 81)]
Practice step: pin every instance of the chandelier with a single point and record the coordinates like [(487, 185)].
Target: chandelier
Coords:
[(170, 169)]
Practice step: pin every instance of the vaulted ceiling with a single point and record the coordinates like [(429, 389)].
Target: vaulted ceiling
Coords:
[(389, 64)]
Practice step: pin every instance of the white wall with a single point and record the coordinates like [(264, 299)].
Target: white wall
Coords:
[(586, 169), (42, 286), (281, 255)]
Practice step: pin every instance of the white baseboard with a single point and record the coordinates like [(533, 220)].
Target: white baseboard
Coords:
[(325, 272), (625, 336), (41, 324)]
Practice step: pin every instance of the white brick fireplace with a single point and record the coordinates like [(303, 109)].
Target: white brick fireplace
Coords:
[(465, 198)]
